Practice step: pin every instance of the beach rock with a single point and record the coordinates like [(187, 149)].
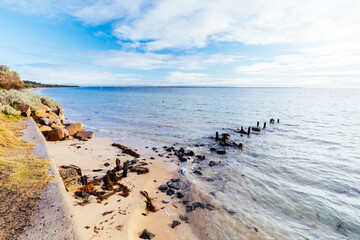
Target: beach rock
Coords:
[(200, 157), (174, 185), (175, 180), (39, 113), (163, 187), (44, 121), (209, 207), (146, 235), (84, 135), (53, 114), (74, 128), (189, 153), (213, 149), (60, 113), (43, 107), (221, 152), (198, 205), (189, 209), (175, 224), (45, 130), (170, 192), (184, 218), (57, 134), (169, 149), (54, 125), (81, 194), (197, 172), (56, 121), (183, 159), (212, 163), (25, 110), (179, 195), (165, 201)]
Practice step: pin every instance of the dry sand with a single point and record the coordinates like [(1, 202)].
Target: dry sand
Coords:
[(126, 221)]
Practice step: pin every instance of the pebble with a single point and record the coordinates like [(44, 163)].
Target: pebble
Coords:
[(175, 224)]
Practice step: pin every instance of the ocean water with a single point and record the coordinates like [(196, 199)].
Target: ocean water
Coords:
[(299, 179)]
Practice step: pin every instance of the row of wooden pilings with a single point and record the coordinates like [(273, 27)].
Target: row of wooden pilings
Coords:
[(256, 129)]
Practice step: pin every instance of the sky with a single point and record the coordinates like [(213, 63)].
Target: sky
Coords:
[(252, 43)]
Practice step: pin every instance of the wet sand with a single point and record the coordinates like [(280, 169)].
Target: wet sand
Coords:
[(123, 218)]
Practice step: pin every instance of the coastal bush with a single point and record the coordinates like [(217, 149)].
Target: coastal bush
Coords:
[(48, 101), (10, 79), (14, 97), (8, 110)]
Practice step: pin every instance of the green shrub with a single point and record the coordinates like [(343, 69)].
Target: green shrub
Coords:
[(48, 101), (14, 97), (9, 110)]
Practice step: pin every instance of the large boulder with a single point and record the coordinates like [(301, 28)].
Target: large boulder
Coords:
[(74, 128), (57, 134), (54, 125), (40, 113), (44, 121), (25, 110), (53, 114), (43, 107), (45, 130), (84, 135)]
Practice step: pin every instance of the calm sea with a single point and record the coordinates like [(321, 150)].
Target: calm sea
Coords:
[(299, 179)]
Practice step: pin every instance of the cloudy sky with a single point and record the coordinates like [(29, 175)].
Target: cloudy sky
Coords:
[(183, 42)]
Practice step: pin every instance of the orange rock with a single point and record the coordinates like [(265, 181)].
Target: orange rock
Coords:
[(53, 114), (45, 108), (84, 135), (40, 113), (25, 110), (56, 125), (45, 130), (57, 134), (74, 128)]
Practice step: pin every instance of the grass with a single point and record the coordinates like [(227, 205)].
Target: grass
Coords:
[(20, 170)]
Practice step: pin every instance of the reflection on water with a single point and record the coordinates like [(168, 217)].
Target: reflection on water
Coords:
[(299, 179)]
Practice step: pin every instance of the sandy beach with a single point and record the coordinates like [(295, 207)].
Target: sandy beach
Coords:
[(124, 217)]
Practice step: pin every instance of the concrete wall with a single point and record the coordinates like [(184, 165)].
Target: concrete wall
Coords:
[(53, 218)]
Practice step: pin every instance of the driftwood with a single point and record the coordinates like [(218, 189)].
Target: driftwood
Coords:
[(126, 150), (139, 170), (149, 205)]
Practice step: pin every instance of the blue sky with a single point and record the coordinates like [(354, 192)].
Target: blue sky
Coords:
[(298, 43)]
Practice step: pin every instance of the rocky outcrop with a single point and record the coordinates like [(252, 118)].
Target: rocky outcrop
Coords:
[(45, 130), (57, 134), (51, 124), (84, 135), (25, 110), (74, 128)]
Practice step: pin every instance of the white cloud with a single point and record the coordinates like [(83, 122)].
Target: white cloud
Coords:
[(322, 35), (151, 61), (189, 78)]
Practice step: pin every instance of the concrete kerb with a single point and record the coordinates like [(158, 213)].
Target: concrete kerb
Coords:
[(53, 218)]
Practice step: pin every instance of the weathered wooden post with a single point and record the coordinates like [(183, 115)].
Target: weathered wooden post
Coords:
[(118, 167), (83, 180), (125, 169), (240, 146), (264, 124), (278, 120), (217, 136), (258, 124), (248, 131)]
